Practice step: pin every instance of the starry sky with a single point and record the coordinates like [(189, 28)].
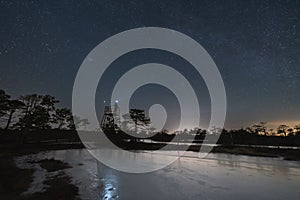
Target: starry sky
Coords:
[(255, 44)]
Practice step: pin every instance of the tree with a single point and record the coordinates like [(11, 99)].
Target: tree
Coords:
[(48, 102), (271, 132), (134, 120), (297, 128), (13, 105), (63, 118), (260, 128), (251, 130), (282, 129), (8, 107), (37, 112), (290, 131), (41, 118), (139, 118)]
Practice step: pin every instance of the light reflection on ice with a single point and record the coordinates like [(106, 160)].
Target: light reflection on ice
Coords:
[(220, 176)]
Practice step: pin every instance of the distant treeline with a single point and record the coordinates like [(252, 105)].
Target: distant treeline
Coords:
[(37, 118), (198, 136), (256, 129)]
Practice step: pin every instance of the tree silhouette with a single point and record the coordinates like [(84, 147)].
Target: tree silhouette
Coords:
[(271, 132), (282, 129), (290, 131), (48, 102), (37, 112), (297, 128), (134, 120), (8, 107), (13, 105), (260, 128), (63, 118), (139, 118), (40, 118)]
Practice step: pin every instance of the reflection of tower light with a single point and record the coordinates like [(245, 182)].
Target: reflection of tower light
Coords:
[(116, 113)]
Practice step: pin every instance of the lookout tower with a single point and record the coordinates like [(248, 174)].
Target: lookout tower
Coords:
[(107, 119), (111, 118)]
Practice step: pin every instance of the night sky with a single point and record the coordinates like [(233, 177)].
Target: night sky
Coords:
[(255, 44)]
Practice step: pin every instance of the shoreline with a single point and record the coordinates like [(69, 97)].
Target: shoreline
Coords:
[(286, 154)]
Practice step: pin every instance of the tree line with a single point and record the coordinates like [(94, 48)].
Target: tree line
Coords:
[(259, 129), (36, 112), (40, 112)]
